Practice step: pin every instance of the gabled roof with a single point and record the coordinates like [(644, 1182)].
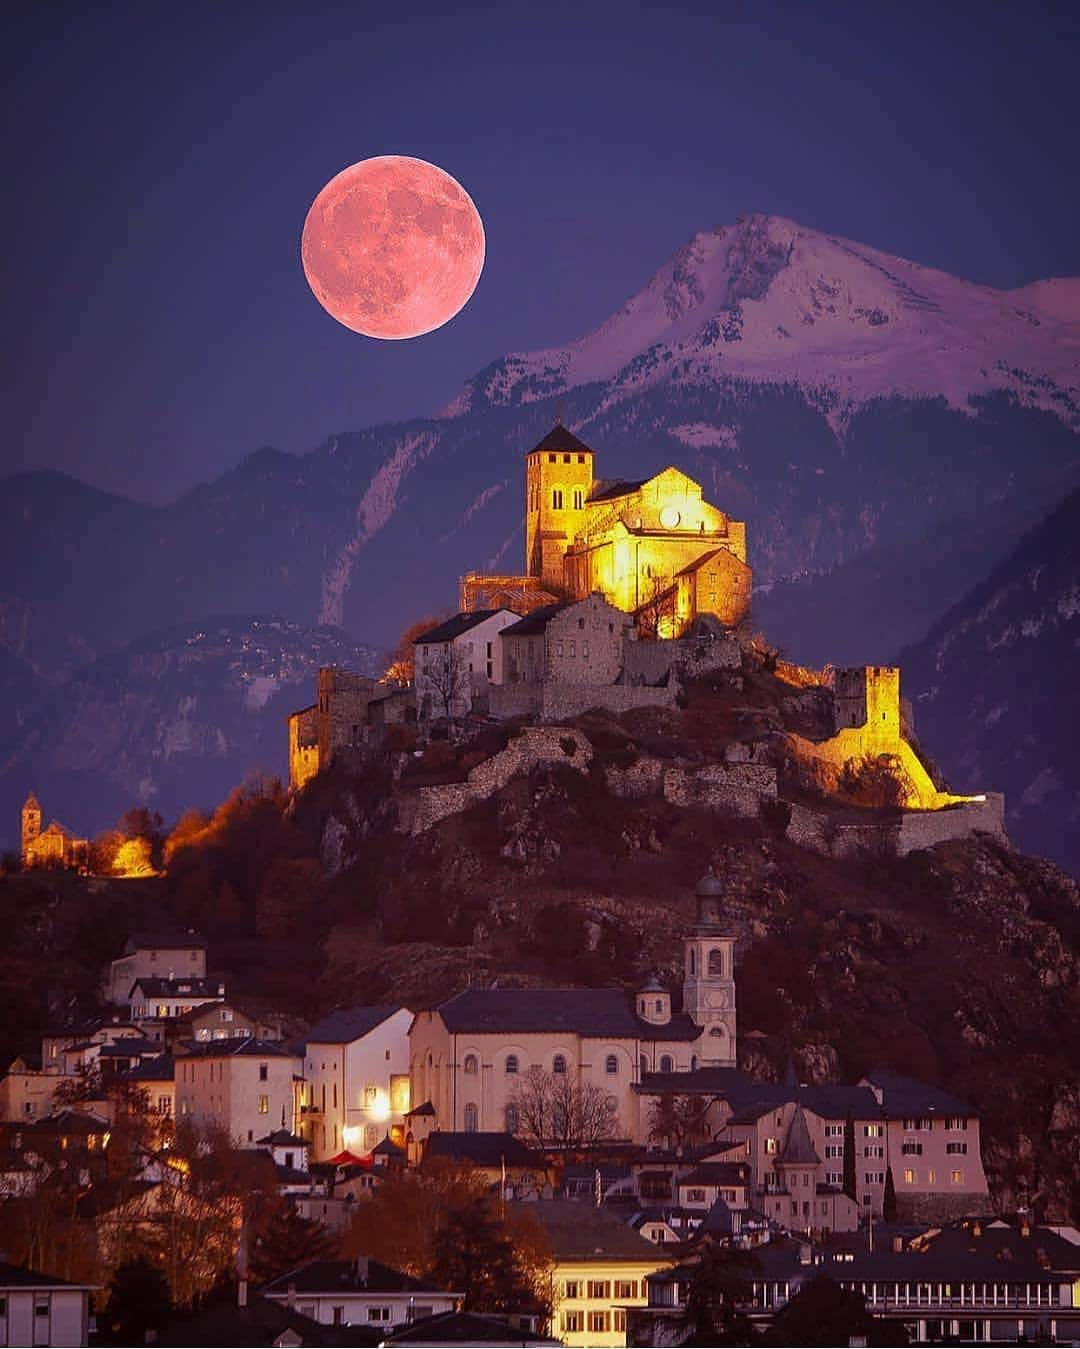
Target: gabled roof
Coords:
[(465, 1328), (15, 1276), (387, 1148), (482, 1149), (798, 1148), (208, 989), (454, 627), (350, 1023), (348, 1276), (716, 1173), (260, 1322), (235, 1047), (595, 1013), (561, 438), (708, 557), (536, 621), (578, 1230), (425, 1109), (283, 1138), (160, 1069)]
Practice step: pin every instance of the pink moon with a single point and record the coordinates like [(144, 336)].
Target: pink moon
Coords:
[(393, 247)]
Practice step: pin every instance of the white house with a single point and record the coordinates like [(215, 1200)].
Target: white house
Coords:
[(456, 660), (156, 999), (38, 1309), (160, 954), (359, 1292), (245, 1086), (356, 1080)]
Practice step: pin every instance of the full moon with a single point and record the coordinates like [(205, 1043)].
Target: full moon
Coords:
[(393, 247)]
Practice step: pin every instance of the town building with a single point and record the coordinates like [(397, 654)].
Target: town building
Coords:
[(39, 1309), (242, 1086), (154, 1000), (470, 1055), (53, 846), (455, 662), (655, 548), (355, 1086), (154, 954), (358, 1292), (600, 1269)]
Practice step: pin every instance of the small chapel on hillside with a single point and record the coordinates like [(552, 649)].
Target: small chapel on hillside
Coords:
[(53, 846), (654, 548)]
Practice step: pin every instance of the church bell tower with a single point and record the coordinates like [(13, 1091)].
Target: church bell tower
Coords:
[(31, 823), (709, 977)]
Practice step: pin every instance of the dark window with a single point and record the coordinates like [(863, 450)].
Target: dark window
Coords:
[(667, 1065), (558, 1064), (611, 1064), (263, 1072), (511, 1063)]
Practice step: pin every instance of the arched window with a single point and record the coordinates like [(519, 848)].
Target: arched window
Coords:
[(559, 1121), (558, 1063), (643, 1065), (511, 1063), (471, 1117), (556, 498), (471, 1064), (693, 1063), (693, 961), (579, 498), (716, 962), (666, 1063), (659, 1006), (513, 1120), (611, 1063)]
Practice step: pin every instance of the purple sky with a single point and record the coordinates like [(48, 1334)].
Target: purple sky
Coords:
[(162, 160)]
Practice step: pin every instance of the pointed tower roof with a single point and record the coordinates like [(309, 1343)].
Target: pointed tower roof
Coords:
[(799, 1147), (31, 800), (560, 438)]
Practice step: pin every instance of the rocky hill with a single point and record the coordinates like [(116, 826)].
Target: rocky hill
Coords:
[(994, 685), (957, 964), (857, 410)]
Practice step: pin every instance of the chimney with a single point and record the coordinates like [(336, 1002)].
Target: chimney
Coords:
[(898, 1244)]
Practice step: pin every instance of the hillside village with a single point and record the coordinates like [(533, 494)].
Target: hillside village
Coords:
[(627, 1124)]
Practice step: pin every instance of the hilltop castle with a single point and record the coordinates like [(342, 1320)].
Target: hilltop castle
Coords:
[(53, 846), (655, 549)]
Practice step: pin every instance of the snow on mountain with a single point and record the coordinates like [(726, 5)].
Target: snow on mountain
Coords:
[(768, 300)]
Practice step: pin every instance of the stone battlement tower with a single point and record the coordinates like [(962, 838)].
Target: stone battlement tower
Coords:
[(558, 480)]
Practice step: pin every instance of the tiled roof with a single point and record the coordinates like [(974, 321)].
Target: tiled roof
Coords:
[(536, 621), (578, 1230), (426, 1109), (387, 1148), (716, 1173), (905, 1096), (454, 627), (208, 989), (160, 1069), (465, 1328), (282, 1138), (482, 1149), (596, 1013), (612, 489), (236, 1047), (705, 557), (346, 1276), (561, 438), (750, 1100), (350, 1023)]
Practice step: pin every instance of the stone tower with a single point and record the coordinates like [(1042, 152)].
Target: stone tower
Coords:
[(709, 977), (558, 480), (31, 822)]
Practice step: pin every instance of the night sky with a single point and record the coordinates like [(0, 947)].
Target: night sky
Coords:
[(161, 160)]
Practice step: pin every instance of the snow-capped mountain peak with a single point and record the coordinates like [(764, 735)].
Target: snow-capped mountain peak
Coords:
[(767, 299)]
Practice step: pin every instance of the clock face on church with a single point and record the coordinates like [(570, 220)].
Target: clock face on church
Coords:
[(716, 998)]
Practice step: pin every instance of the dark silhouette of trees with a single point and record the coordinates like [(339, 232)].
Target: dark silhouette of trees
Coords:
[(479, 1255), (720, 1290), (888, 1203), (285, 1239), (555, 1110), (825, 1314), (138, 1303)]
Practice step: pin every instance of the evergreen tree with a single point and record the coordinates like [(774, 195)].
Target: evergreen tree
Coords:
[(138, 1303), (721, 1285), (888, 1203), (851, 1186), (476, 1254), (286, 1240)]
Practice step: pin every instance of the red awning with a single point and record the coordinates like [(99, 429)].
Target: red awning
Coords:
[(349, 1159)]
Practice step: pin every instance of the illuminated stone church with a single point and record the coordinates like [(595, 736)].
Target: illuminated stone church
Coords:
[(655, 549)]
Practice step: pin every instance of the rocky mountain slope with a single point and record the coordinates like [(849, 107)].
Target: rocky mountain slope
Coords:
[(994, 686), (171, 720), (855, 409)]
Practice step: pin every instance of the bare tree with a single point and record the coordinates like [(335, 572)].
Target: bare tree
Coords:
[(448, 676), (554, 1110), (656, 612), (675, 1120)]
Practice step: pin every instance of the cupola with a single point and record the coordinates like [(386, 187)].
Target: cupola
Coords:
[(709, 892), (652, 1002)]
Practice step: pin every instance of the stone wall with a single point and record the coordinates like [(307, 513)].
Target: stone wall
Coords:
[(738, 788), (562, 701), (583, 643), (303, 746), (536, 745), (910, 832)]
